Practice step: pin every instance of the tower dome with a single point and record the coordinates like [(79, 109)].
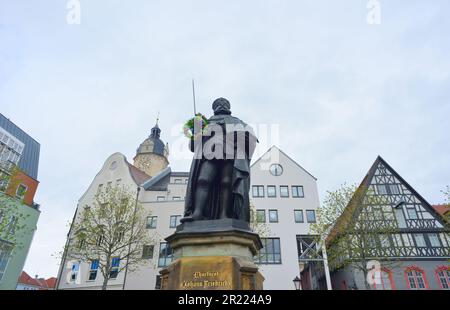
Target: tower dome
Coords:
[(152, 154)]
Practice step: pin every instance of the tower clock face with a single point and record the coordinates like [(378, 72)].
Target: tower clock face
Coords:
[(276, 169)]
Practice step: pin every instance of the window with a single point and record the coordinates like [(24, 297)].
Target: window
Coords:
[(397, 239), (445, 239), (100, 240), (119, 234), (160, 198), (297, 191), (4, 181), (109, 185), (420, 240), (260, 216), (81, 243), (271, 191), (258, 191), (310, 216), (407, 240), (5, 254), (118, 182), (385, 242), (443, 276), (147, 251), (284, 191), (151, 222), (174, 220), (307, 247), (382, 189), (386, 281), (273, 216), (165, 254), (434, 240), (99, 189), (74, 272), (412, 213), (177, 181), (93, 270), (393, 188), (276, 169), (115, 263), (416, 278), (176, 198), (298, 215), (400, 218), (21, 190), (270, 253)]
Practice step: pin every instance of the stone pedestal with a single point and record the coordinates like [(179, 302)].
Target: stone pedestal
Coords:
[(213, 255)]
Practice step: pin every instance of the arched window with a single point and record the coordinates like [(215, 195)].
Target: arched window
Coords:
[(443, 277), (386, 280), (416, 278)]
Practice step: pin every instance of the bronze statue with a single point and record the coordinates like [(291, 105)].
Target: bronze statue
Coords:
[(219, 180)]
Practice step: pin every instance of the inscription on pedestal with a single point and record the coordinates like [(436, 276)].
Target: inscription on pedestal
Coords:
[(206, 280)]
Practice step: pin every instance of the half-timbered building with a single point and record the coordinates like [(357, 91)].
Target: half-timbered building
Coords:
[(414, 254)]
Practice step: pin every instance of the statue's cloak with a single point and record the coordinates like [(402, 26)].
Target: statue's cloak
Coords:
[(240, 178)]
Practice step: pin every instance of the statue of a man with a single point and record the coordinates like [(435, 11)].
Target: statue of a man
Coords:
[(219, 180)]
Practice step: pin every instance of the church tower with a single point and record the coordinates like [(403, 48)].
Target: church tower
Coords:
[(152, 155)]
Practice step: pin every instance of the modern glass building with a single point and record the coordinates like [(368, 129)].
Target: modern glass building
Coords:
[(29, 154)]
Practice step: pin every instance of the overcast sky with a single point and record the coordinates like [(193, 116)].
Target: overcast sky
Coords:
[(342, 91)]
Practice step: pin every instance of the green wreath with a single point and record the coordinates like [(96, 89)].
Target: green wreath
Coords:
[(188, 128)]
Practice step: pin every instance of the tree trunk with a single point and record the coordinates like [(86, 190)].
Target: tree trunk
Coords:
[(366, 283), (105, 283), (106, 276)]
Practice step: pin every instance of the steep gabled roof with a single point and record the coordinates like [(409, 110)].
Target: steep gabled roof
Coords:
[(356, 201), (138, 176), (275, 147), (442, 209)]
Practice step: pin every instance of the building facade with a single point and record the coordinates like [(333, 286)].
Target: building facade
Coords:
[(19, 161), (415, 254), (283, 194)]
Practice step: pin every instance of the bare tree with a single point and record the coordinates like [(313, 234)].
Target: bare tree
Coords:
[(112, 231), (446, 193)]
